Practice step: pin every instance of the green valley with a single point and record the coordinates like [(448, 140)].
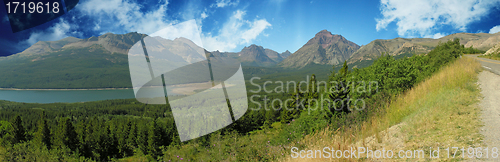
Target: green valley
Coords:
[(128, 130)]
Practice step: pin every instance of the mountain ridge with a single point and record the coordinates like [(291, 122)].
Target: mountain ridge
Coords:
[(114, 43), (409, 46), (41, 47)]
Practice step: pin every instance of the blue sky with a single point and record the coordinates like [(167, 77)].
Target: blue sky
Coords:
[(229, 25)]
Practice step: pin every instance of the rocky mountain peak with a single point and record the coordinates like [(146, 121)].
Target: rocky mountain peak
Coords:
[(253, 47), (323, 48), (325, 38), (286, 54)]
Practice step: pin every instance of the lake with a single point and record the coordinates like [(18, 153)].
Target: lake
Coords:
[(52, 96), (69, 96)]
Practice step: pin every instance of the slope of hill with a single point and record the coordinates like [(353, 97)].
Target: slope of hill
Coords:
[(323, 48), (492, 53), (48, 46), (101, 62), (410, 46), (493, 50), (285, 54), (392, 47), (275, 56), (254, 55), (481, 41), (96, 62), (72, 68), (119, 43)]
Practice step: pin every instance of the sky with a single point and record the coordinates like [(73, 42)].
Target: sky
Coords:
[(280, 25)]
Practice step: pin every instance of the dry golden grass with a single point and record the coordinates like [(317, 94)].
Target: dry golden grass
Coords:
[(438, 112)]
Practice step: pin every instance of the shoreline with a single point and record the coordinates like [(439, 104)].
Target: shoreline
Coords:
[(17, 89), (181, 89)]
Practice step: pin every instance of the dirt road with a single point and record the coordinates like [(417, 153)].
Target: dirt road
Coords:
[(490, 105), (490, 89)]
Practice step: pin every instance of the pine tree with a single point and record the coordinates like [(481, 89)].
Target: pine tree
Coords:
[(67, 136), (154, 139), (131, 140), (313, 89), (83, 146), (340, 93), (268, 118), (18, 130), (43, 136), (142, 137), (123, 148), (293, 108)]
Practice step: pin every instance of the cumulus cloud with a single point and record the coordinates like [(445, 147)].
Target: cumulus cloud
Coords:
[(256, 28), (125, 16), (239, 14), (188, 29), (60, 30), (495, 29), (424, 17), (224, 3), (204, 15), (438, 35), (236, 31)]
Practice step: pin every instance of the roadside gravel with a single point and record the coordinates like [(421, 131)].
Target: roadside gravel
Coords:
[(490, 107)]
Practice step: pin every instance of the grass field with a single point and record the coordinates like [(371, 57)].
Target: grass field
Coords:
[(439, 112)]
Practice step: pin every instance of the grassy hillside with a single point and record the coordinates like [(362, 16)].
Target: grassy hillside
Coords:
[(493, 53), (94, 67), (438, 112), (90, 67), (398, 46)]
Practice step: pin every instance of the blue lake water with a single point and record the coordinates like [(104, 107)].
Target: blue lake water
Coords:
[(53, 96)]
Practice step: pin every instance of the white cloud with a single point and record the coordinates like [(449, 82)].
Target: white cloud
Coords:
[(60, 30), (495, 29), (125, 16), (438, 35), (424, 17), (224, 3), (239, 14), (188, 29), (204, 15), (236, 31), (257, 27)]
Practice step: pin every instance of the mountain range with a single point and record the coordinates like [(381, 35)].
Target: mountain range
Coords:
[(101, 62), (410, 46)]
